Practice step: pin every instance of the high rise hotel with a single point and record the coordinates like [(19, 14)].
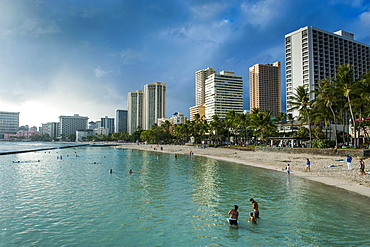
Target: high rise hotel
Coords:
[(145, 107), (217, 93), (135, 107), (200, 85), (312, 54), (154, 103), (265, 93), (223, 93)]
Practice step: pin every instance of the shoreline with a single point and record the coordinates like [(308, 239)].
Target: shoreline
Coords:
[(338, 176)]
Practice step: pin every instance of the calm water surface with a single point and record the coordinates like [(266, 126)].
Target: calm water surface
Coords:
[(166, 202)]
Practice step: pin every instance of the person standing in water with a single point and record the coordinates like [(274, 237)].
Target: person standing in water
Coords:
[(287, 169), (252, 218), (234, 214), (256, 212)]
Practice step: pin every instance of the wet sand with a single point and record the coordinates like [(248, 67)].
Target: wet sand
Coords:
[(338, 176)]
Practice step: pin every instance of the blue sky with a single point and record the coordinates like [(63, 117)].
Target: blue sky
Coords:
[(61, 57)]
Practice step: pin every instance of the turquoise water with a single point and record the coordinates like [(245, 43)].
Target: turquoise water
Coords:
[(166, 202)]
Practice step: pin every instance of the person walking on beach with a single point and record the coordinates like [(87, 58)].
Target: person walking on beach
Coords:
[(287, 169), (362, 167), (234, 214), (349, 162), (308, 165), (256, 212)]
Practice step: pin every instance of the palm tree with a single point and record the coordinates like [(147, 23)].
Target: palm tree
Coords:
[(242, 122), (230, 122), (301, 101), (290, 119), (326, 96), (262, 124), (217, 128), (347, 84)]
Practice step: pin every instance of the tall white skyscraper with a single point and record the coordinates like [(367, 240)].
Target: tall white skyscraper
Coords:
[(312, 54), (154, 103), (223, 92), (135, 108), (264, 83)]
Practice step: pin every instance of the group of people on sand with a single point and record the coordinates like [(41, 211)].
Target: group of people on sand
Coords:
[(234, 214), (349, 165), (308, 167)]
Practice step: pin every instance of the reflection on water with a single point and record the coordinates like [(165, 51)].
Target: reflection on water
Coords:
[(166, 202)]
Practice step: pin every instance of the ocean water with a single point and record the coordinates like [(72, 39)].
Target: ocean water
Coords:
[(166, 201)]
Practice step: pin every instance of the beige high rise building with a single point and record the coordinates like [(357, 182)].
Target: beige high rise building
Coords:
[(200, 84), (224, 92), (154, 103), (135, 107), (265, 92)]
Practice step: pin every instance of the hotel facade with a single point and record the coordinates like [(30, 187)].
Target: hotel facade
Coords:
[(9, 123), (154, 103), (70, 124), (135, 105), (223, 92), (312, 54), (120, 121), (265, 92), (146, 107)]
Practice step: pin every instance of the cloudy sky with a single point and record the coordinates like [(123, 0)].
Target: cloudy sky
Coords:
[(61, 57)]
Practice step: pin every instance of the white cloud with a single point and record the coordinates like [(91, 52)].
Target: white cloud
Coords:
[(207, 12), (33, 27), (130, 56), (262, 12), (99, 72), (365, 19)]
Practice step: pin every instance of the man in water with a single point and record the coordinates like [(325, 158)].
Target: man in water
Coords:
[(349, 160), (256, 212), (234, 214)]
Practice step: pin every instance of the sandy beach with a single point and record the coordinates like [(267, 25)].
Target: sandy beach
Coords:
[(324, 169)]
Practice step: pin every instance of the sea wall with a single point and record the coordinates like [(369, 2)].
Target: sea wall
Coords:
[(317, 151)]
